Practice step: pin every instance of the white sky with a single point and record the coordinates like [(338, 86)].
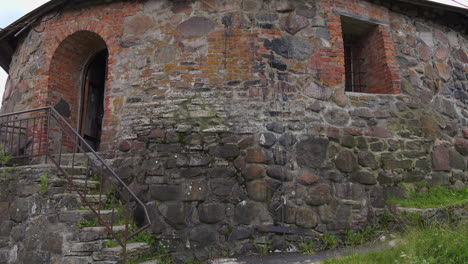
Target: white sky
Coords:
[(10, 10)]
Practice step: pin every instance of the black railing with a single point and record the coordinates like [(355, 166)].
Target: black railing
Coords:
[(43, 132)]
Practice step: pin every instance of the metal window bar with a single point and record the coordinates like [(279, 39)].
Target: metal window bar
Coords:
[(353, 68)]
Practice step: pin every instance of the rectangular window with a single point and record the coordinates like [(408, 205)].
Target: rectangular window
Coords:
[(358, 42), (368, 57)]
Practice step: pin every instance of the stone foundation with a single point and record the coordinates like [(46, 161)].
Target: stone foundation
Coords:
[(30, 226), (230, 121)]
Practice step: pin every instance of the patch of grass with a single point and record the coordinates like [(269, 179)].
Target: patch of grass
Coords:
[(433, 244), (357, 237), (306, 246), (142, 237), (434, 197), (411, 219), (88, 223), (217, 251), (4, 157), (262, 248), (110, 243), (112, 202), (94, 177), (386, 219), (44, 183), (329, 241), (352, 237), (5, 164)]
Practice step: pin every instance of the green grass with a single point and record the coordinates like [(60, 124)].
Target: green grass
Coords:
[(4, 157), (329, 241), (306, 247), (262, 249), (433, 244), (434, 197), (142, 237), (88, 223), (110, 243), (357, 237), (44, 186)]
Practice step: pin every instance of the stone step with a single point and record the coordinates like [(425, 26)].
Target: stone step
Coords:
[(77, 260), (67, 201), (86, 247), (83, 184), (79, 177), (73, 200), (81, 160), (73, 170), (85, 260), (95, 198), (433, 214), (56, 182), (76, 216), (97, 233), (50, 169), (69, 158), (151, 262), (134, 251)]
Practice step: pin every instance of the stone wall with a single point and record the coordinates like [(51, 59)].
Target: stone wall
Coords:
[(31, 229), (232, 124)]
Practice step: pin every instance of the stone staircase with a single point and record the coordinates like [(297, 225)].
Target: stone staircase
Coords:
[(88, 244)]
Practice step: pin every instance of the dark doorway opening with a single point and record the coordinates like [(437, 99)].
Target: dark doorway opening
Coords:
[(92, 99)]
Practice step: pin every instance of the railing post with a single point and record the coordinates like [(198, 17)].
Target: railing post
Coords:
[(47, 133), (10, 148)]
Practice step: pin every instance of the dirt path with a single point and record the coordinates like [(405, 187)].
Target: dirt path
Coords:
[(297, 258)]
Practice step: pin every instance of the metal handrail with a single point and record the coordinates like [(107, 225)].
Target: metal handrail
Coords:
[(42, 123)]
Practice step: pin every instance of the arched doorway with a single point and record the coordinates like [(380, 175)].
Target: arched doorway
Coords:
[(77, 80)]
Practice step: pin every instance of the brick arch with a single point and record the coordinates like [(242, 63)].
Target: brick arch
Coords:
[(66, 70), (66, 34), (56, 34)]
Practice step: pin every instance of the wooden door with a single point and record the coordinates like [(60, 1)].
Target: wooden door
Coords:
[(92, 111)]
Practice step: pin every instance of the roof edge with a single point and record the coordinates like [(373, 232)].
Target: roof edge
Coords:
[(7, 43), (431, 4), (28, 18)]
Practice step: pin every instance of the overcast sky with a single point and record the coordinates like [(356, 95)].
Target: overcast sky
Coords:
[(10, 10)]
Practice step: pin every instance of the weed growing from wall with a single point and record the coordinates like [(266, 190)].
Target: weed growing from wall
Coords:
[(44, 184), (306, 246), (262, 248), (329, 241), (88, 223), (4, 157)]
